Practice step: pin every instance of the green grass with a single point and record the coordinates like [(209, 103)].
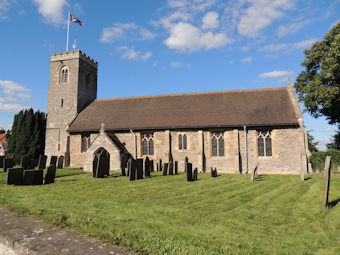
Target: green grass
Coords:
[(165, 215)]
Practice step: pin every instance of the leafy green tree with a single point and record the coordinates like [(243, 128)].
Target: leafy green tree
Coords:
[(335, 144), (311, 142), (318, 86), (27, 137)]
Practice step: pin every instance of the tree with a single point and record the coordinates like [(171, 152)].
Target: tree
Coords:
[(335, 144), (311, 142), (318, 86), (27, 137)]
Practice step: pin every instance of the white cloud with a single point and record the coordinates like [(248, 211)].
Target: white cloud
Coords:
[(12, 86), (146, 56), (259, 15), (12, 107), (180, 15), (284, 30), (276, 74), (274, 47), (304, 44), (247, 60), (210, 20), (186, 37), (120, 31), (177, 3), (202, 5), (4, 6), (52, 10), (176, 64)]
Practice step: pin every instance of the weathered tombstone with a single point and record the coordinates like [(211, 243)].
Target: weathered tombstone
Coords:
[(176, 167), (186, 161), (195, 174), (165, 170), (123, 171), (94, 165), (147, 167), (152, 166), (188, 167), (8, 163), (213, 172), (132, 169), (103, 166), (53, 161), (139, 166), (60, 162), (2, 161), (15, 176), (33, 177), (160, 165), (327, 177), (50, 175), (25, 163), (171, 168), (42, 162)]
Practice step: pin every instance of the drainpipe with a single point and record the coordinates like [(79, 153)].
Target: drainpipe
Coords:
[(245, 147), (135, 142)]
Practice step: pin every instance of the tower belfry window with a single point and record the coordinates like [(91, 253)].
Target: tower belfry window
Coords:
[(64, 75)]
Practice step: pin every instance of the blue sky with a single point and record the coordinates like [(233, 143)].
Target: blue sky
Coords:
[(161, 46)]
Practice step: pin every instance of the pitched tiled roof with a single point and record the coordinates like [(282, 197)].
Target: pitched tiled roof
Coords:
[(3, 138), (257, 107)]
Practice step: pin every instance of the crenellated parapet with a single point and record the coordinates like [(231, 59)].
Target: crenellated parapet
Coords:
[(77, 54)]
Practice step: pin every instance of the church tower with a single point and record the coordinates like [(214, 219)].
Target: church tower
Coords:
[(72, 87)]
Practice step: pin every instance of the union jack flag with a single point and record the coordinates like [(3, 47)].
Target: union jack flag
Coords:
[(74, 19)]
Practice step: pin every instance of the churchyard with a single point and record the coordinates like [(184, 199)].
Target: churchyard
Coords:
[(163, 213)]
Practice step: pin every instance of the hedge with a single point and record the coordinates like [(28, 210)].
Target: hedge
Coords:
[(318, 159)]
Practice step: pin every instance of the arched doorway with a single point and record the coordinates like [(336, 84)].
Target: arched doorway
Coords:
[(101, 163)]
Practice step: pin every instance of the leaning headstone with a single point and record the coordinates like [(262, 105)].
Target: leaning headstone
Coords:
[(152, 166), (195, 174), (327, 177), (132, 169), (165, 170), (8, 163), (176, 167), (139, 166), (50, 175), (186, 161), (171, 168), (188, 167), (25, 163), (33, 177), (60, 162), (53, 161), (15, 176), (147, 167), (2, 161), (42, 162)]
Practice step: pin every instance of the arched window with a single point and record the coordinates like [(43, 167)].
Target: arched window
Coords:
[(217, 144), (85, 142), (184, 142), (147, 144), (264, 143), (64, 75), (180, 142)]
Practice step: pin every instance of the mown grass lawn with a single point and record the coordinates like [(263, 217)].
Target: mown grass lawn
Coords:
[(165, 215)]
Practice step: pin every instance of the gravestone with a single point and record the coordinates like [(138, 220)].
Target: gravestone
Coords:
[(157, 166), (34, 163), (2, 161), (42, 162), (53, 161), (33, 177), (327, 177), (139, 166), (213, 172), (8, 163), (152, 166), (132, 169), (195, 174), (15, 176), (94, 165), (188, 167), (254, 172), (129, 166), (147, 167), (103, 166), (123, 171), (60, 162), (176, 167), (171, 168), (123, 160), (50, 175), (25, 163), (160, 165), (186, 161), (165, 170)]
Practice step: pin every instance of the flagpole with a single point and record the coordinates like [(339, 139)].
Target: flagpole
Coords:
[(68, 30)]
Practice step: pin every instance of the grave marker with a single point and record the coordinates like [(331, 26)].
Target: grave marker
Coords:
[(33, 177), (139, 166), (188, 167), (60, 162), (2, 161), (42, 162), (165, 170), (160, 165), (25, 163), (186, 161), (8, 163), (152, 166), (327, 177), (147, 167), (171, 168), (176, 167), (15, 176), (53, 161), (50, 175), (132, 169), (195, 174)]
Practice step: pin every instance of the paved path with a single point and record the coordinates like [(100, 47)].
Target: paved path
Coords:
[(24, 235)]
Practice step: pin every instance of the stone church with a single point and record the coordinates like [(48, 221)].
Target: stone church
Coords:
[(234, 131)]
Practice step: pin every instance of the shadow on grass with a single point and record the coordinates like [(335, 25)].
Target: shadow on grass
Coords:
[(73, 180), (307, 178), (258, 178), (333, 203)]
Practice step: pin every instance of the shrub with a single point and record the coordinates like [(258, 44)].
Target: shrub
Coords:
[(318, 159)]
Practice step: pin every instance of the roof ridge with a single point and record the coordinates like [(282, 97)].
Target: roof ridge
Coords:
[(191, 94)]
